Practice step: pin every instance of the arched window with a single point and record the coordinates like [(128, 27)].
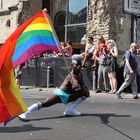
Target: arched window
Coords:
[(59, 22)]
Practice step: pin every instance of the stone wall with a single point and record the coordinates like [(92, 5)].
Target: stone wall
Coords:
[(15, 12), (98, 19), (29, 8), (8, 3), (106, 17), (8, 19)]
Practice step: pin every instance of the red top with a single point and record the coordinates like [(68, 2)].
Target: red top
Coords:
[(102, 46)]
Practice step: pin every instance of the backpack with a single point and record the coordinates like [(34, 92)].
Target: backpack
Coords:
[(105, 58)]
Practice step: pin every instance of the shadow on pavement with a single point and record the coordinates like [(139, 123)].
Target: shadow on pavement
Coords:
[(104, 117), (23, 128)]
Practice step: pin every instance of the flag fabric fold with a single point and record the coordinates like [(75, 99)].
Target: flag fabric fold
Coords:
[(32, 38)]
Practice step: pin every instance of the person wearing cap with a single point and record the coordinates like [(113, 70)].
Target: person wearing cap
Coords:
[(71, 89)]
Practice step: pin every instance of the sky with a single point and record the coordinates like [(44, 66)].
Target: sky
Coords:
[(77, 5)]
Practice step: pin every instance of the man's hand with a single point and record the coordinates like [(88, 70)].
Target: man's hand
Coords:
[(129, 66), (131, 71)]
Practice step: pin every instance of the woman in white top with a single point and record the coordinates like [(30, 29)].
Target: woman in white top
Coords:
[(89, 49)]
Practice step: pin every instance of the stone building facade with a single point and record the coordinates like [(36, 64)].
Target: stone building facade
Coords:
[(104, 17), (15, 12)]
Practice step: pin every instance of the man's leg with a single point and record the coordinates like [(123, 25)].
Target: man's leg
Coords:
[(34, 107), (51, 100), (126, 83), (134, 86), (71, 107)]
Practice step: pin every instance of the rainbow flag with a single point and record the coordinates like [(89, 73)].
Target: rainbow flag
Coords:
[(33, 37), (11, 103)]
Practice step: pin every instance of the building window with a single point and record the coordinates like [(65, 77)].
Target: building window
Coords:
[(71, 24), (59, 24), (75, 33), (76, 19), (76, 11), (8, 23)]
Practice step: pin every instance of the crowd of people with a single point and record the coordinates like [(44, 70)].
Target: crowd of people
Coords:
[(73, 91), (66, 51), (104, 55)]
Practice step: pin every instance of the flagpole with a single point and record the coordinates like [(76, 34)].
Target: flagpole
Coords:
[(66, 63)]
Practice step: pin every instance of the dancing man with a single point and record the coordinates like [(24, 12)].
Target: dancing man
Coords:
[(71, 90)]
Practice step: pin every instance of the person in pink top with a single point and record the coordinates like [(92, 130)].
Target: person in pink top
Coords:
[(68, 49)]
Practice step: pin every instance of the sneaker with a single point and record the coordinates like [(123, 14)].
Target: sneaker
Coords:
[(72, 112), (23, 117), (106, 91), (98, 91), (135, 97), (119, 95)]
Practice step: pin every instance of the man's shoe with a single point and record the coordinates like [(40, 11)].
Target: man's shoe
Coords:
[(98, 91), (135, 97), (106, 91), (119, 95), (72, 112)]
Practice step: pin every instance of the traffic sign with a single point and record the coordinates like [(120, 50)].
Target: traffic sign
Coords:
[(132, 7)]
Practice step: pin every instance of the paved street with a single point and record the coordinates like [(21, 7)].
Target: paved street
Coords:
[(104, 118)]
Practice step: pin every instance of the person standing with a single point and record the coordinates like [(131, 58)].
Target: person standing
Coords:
[(130, 72), (111, 45), (101, 54)]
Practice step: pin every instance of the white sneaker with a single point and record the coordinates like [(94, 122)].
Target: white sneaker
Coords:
[(23, 117), (72, 112)]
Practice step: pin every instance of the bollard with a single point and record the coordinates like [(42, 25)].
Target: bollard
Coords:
[(48, 76), (94, 80)]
